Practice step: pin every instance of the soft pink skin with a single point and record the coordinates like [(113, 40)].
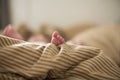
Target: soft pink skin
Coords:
[(38, 38), (10, 32), (56, 38)]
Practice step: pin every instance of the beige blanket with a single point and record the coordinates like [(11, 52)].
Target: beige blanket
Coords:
[(105, 37), (21, 60)]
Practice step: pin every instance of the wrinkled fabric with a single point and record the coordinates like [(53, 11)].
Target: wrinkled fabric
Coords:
[(20, 60)]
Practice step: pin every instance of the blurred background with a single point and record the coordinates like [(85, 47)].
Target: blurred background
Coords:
[(59, 12)]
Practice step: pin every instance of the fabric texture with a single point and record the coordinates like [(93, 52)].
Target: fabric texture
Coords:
[(105, 37), (20, 60)]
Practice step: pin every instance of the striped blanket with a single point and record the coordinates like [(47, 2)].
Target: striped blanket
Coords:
[(20, 60)]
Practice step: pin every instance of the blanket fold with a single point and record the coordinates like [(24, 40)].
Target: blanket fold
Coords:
[(20, 60)]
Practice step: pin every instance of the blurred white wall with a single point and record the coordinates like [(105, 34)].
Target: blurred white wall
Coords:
[(64, 12)]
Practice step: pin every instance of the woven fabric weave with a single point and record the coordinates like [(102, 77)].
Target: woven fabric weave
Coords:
[(22, 61)]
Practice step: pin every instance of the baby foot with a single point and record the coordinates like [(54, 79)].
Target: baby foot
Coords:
[(10, 32), (57, 39)]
